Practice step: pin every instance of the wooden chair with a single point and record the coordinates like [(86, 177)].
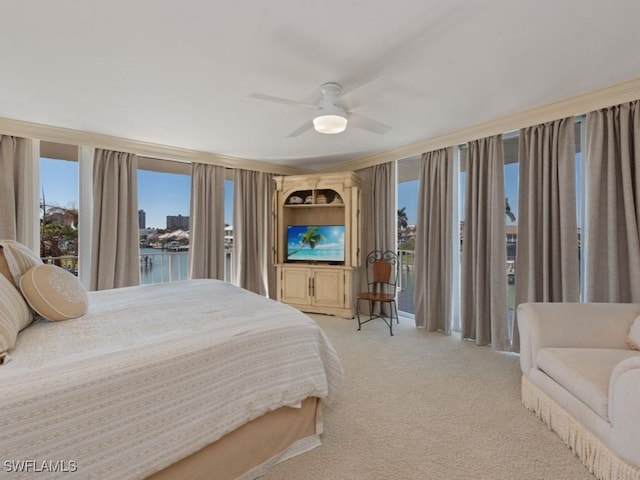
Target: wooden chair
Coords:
[(382, 279)]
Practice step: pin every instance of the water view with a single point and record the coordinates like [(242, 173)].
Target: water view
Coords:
[(157, 266)]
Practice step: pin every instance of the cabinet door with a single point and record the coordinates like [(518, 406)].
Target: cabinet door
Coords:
[(296, 286), (328, 288)]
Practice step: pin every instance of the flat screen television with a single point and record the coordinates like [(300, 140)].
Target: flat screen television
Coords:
[(315, 243)]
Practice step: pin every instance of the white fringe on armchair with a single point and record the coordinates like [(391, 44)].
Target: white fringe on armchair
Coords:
[(592, 452)]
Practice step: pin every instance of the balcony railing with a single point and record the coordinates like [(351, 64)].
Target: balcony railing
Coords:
[(406, 277), (155, 267), (163, 267), (68, 262)]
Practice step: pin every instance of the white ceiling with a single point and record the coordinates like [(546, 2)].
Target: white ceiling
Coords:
[(179, 73)]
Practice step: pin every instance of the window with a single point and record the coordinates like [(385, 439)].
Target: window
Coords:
[(164, 192), (456, 327), (580, 196), (407, 188), (163, 220), (228, 228), (59, 213), (511, 173), (164, 206)]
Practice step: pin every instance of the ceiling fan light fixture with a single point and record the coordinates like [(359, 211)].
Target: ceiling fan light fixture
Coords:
[(330, 122)]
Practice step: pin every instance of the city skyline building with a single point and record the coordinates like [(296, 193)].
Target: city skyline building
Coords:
[(177, 221)]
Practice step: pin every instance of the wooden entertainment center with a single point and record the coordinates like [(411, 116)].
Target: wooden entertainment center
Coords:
[(319, 201)]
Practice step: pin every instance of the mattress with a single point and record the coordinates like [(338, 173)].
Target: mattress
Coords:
[(152, 374)]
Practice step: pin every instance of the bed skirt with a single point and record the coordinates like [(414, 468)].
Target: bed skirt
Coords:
[(601, 461), (253, 449)]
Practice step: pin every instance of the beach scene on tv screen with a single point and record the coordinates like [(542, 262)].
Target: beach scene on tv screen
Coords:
[(322, 243)]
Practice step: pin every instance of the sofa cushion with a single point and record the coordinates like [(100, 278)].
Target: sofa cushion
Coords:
[(584, 372)]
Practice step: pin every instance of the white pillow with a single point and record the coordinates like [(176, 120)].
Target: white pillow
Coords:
[(633, 339), (14, 315), (54, 293)]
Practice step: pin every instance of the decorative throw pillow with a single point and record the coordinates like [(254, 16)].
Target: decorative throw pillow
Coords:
[(54, 293), (633, 339), (14, 314), (19, 259), (4, 267)]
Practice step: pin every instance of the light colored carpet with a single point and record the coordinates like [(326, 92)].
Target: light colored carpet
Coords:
[(427, 406)]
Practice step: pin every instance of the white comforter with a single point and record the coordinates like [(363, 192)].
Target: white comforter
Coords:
[(152, 374)]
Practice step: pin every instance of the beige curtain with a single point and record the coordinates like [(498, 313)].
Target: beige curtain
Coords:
[(613, 186), (379, 207), (206, 222), (115, 252), (547, 265), (434, 243), (484, 255), (16, 178), (379, 215), (252, 259)]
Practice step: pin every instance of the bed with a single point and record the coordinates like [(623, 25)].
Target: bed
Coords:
[(193, 379)]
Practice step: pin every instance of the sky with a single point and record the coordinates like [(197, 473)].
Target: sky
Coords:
[(159, 194), (408, 194), (162, 194), (59, 182)]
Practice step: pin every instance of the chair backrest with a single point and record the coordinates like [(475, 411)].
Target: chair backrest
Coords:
[(382, 271)]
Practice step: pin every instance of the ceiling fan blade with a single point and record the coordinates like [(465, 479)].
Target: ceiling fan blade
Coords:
[(285, 101), (354, 86), (366, 123), (301, 129)]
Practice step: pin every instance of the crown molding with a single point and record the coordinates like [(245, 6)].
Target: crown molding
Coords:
[(152, 150), (579, 104), (570, 106)]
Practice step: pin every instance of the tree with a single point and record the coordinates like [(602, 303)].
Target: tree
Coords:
[(311, 237), (408, 244), (58, 214), (58, 231), (403, 221), (57, 240), (507, 210)]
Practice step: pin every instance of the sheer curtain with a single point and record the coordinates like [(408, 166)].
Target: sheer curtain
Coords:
[(547, 266), (613, 189), (434, 242), (115, 252), (206, 222), (484, 255), (253, 267), (17, 194)]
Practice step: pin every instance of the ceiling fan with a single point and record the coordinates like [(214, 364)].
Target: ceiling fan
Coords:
[(329, 116)]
